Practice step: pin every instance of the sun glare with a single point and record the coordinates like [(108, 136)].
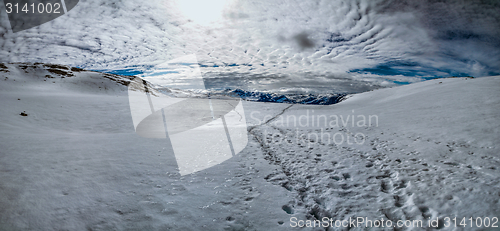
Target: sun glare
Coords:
[(203, 12)]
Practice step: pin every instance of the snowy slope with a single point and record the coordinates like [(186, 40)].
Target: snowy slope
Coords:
[(432, 154), (76, 163)]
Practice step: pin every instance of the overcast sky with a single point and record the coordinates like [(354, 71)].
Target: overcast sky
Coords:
[(311, 44)]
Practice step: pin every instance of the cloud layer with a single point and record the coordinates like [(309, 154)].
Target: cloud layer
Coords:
[(318, 45)]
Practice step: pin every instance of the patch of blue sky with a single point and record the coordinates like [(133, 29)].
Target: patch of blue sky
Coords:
[(409, 69), (125, 72)]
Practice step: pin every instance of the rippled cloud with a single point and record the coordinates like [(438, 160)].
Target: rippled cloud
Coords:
[(346, 46)]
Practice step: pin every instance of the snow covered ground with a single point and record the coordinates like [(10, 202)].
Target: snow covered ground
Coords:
[(75, 162)]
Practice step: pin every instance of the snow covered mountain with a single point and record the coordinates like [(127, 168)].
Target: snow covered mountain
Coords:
[(70, 159)]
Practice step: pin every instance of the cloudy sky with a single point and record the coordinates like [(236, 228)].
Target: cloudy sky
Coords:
[(326, 45)]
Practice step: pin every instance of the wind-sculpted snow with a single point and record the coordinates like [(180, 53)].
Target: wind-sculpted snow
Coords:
[(288, 43)]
